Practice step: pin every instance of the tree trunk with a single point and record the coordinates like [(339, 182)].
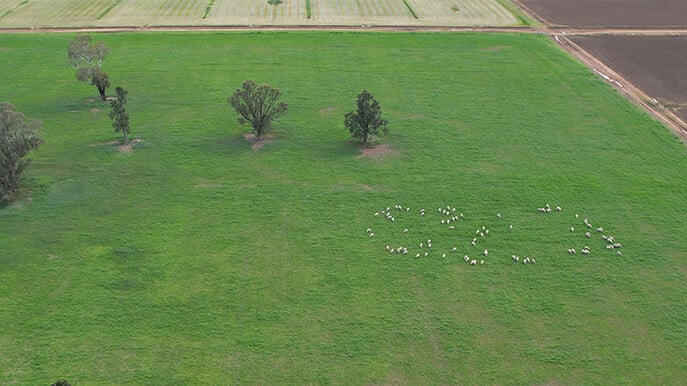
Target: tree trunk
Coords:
[(126, 139), (101, 90)]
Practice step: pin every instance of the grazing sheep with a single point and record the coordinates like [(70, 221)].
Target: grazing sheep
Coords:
[(498, 215), (541, 210), (588, 235), (451, 227), (473, 262), (372, 235), (510, 227), (619, 253), (486, 232), (407, 209), (481, 234), (617, 245), (572, 229), (426, 254), (481, 262), (486, 253), (589, 226), (473, 243), (454, 249), (444, 255), (442, 221), (417, 256), (405, 230), (599, 229), (577, 215), (534, 261), (604, 237), (376, 214), (461, 215), (558, 209), (421, 244), (388, 247), (368, 230), (585, 251), (610, 247)]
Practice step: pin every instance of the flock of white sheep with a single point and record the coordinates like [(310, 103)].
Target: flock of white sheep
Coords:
[(451, 218)]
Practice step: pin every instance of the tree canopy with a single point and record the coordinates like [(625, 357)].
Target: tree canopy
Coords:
[(119, 116), (258, 105), (87, 58), (18, 136), (367, 119)]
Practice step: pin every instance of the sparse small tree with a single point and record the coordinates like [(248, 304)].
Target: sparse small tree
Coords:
[(87, 58), (367, 119), (18, 136), (258, 105), (119, 116)]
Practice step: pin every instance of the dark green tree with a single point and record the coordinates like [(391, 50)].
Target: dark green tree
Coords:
[(367, 119), (258, 105), (119, 116), (87, 58), (18, 136), (61, 382)]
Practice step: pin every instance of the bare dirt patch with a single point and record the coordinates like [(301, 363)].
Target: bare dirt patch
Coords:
[(102, 143), (598, 13), (95, 110), (494, 48), (375, 152), (256, 144), (328, 111), (128, 148)]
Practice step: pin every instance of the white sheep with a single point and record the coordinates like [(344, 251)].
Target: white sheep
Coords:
[(473, 262), (534, 261), (368, 230), (418, 255), (372, 235), (454, 249), (577, 215), (599, 229), (466, 257), (461, 215), (405, 230), (510, 227), (376, 214), (451, 227), (481, 262), (421, 244), (444, 255), (572, 229), (486, 253), (426, 254), (558, 209), (588, 235), (498, 215), (619, 253)]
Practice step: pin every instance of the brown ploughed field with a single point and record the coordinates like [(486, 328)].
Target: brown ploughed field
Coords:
[(655, 64), (611, 13)]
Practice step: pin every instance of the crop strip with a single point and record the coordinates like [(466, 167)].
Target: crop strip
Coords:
[(108, 9), (207, 9), (308, 9), (12, 9), (412, 12)]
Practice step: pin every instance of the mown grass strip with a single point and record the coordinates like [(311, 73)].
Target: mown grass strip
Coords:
[(523, 18), (308, 9), (412, 12), (208, 8), (108, 9)]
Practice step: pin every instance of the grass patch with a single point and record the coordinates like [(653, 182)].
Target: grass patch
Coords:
[(308, 9), (197, 259)]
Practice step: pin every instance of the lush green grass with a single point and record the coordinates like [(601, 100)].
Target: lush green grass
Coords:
[(197, 260)]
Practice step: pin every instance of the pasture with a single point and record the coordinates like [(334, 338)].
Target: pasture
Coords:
[(133, 13), (197, 259)]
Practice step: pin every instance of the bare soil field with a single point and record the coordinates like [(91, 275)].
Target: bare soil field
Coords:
[(610, 13), (655, 64)]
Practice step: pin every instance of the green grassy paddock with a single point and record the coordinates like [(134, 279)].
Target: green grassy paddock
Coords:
[(195, 259)]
